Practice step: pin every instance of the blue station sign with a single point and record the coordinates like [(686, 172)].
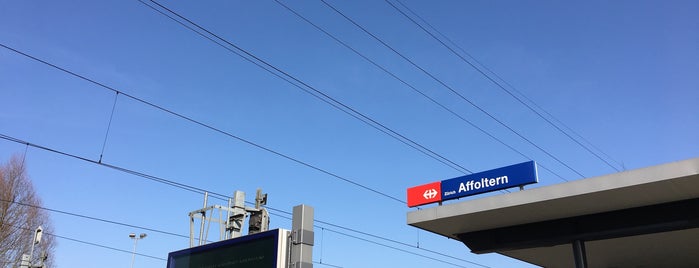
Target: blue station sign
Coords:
[(491, 180), (476, 183)]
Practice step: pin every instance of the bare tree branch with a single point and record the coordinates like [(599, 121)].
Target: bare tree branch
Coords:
[(18, 222)]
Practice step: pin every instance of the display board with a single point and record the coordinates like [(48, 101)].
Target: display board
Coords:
[(262, 250)]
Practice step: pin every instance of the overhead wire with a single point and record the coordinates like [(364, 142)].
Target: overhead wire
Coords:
[(57, 211), (491, 79), (107, 165), (310, 92), (331, 101), (224, 198), (136, 173), (207, 126), (141, 174), (398, 242), (450, 88), (158, 107), (301, 84), (114, 223), (131, 252), (107, 247), (93, 244), (422, 93), (403, 250), (323, 225)]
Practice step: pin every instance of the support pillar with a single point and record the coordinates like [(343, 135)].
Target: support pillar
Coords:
[(302, 237), (579, 254)]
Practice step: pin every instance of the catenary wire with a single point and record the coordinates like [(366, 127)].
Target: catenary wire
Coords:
[(115, 223), (184, 236), (450, 88), (107, 247), (131, 252), (403, 250), (493, 80), (445, 161), (323, 225), (93, 244), (132, 97), (150, 177), (210, 127), (393, 75), (94, 218), (396, 242), (485, 67), (305, 86), (224, 197)]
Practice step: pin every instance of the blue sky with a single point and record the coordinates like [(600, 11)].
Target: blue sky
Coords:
[(621, 74)]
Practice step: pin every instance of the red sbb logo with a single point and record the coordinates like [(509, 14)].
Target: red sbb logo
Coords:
[(425, 194)]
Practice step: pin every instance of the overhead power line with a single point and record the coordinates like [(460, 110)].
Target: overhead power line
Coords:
[(393, 75), (131, 252), (94, 218), (293, 80), (450, 88), (214, 195), (107, 247), (93, 244), (398, 242), (493, 80), (423, 256), (115, 223), (207, 126)]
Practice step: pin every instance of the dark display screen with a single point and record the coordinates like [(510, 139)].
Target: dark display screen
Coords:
[(252, 251)]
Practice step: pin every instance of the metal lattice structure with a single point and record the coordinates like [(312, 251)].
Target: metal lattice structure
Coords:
[(230, 218)]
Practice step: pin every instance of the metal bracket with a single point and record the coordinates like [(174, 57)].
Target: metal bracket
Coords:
[(302, 237)]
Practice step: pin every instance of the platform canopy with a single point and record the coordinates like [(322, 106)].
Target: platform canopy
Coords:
[(647, 217)]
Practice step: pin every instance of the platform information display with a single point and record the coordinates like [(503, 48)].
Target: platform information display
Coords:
[(476, 183), (261, 250)]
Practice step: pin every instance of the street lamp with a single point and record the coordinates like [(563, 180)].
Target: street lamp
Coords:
[(135, 241), (37, 238)]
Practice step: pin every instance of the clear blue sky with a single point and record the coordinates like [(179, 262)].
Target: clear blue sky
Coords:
[(623, 74)]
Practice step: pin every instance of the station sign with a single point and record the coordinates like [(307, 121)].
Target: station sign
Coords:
[(472, 184), (424, 194)]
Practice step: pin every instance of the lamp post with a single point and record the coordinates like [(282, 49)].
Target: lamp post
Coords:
[(27, 260), (135, 241)]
